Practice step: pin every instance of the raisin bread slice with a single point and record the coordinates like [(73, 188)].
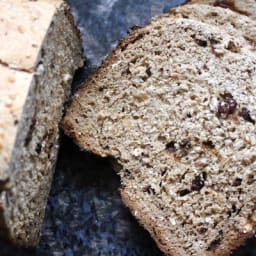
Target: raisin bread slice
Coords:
[(245, 7), (174, 104), (40, 49)]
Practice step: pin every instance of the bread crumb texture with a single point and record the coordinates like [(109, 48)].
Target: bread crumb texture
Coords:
[(174, 104)]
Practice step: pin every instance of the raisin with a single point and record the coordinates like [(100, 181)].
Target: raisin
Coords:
[(202, 43), (226, 106), (184, 192), (237, 182), (171, 146), (202, 230), (233, 210), (163, 173), (38, 148), (245, 114), (216, 242), (198, 182), (209, 144), (148, 72)]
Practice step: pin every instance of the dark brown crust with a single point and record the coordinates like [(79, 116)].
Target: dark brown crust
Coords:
[(169, 248), (231, 241)]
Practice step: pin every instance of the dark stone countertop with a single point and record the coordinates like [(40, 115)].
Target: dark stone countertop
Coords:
[(84, 214)]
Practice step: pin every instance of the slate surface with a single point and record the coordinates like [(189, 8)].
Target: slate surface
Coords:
[(84, 214)]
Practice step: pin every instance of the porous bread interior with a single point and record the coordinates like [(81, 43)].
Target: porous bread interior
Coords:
[(156, 112), (35, 151)]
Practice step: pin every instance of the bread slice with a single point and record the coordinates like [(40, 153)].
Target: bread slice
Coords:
[(40, 49), (245, 7), (174, 104)]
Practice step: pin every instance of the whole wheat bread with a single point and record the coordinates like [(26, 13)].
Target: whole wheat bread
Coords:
[(174, 104), (40, 49)]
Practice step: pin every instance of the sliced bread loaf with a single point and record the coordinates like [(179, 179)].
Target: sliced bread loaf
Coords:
[(174, 104), (40, 49), (245, 7)]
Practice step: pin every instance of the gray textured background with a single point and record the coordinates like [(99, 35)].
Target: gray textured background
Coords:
[(84, 214)]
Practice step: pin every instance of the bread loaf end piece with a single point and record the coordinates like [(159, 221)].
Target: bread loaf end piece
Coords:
[(39, 52)]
